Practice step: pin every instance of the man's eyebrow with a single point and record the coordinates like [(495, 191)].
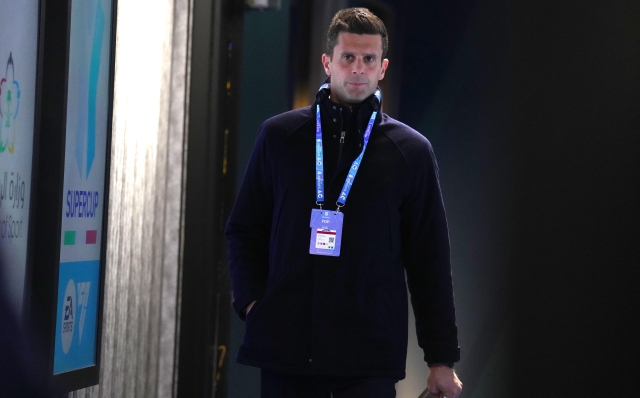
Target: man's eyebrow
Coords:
[(374, 55)]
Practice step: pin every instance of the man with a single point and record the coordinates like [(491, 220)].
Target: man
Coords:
[(318, 272)]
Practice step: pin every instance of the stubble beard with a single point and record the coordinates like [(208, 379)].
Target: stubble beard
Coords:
[(357, 96)]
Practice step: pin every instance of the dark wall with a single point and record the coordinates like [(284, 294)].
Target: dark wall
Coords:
[(264, 88), (575, 157), (532, 109)]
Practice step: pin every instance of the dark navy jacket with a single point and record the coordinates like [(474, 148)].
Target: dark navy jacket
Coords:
[(346, 315)]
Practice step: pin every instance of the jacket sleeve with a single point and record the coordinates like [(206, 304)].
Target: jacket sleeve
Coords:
[(425, 250), (248, 229)]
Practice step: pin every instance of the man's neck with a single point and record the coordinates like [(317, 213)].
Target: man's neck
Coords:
[(350, 106)]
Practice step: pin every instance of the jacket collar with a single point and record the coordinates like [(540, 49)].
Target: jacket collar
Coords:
[(362, 112), (374, 100)]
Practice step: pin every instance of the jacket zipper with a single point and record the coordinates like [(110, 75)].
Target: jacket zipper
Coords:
[(342, 134)]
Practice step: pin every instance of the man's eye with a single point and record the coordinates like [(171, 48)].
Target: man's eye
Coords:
[(369, 58), (348, 57)]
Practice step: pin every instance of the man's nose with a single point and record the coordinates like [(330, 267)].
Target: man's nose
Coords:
[(358, 67)]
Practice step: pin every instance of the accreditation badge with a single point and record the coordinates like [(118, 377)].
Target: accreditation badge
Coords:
[(326, 232)]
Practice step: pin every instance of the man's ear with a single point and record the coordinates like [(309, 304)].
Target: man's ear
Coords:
[(326, 60), (385, 64)]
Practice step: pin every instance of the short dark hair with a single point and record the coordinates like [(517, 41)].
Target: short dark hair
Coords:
[(356, 20)]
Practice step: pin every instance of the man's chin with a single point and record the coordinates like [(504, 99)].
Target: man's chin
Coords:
[(357, 98)]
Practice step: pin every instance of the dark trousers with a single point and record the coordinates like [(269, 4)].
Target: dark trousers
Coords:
[(281, 385)]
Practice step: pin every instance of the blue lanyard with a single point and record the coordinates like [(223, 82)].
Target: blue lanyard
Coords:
[(355, 166)]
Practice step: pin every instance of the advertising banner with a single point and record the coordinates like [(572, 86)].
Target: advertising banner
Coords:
[(84, 185)]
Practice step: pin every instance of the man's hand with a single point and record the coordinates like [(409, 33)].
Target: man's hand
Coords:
[(442, 381), (248, 307)]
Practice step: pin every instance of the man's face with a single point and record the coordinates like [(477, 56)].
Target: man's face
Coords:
[(355, 67)]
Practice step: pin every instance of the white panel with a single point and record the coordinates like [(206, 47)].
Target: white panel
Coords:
[(18, 58)]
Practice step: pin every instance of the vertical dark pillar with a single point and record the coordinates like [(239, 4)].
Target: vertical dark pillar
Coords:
[(205, 292)]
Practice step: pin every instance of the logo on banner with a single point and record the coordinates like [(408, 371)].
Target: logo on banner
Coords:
[(83, 300), (72, 305), (68, 316), (86, 134), (9, 107)]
